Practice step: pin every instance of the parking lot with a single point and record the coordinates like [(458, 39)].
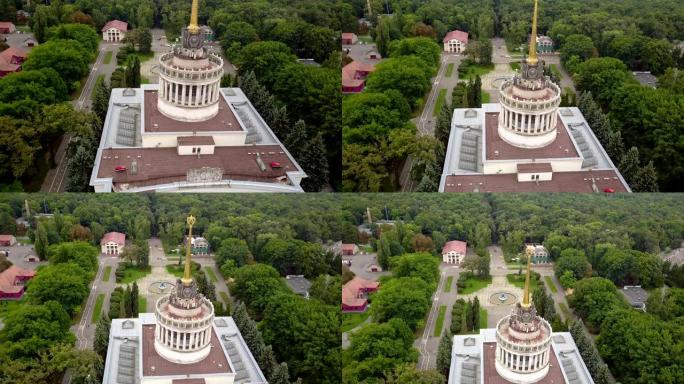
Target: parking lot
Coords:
[(18, 253), (361, 264)]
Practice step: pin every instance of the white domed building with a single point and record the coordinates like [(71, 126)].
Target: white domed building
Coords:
[(182, 342), (526, 142), (187, 134), (522, 349)]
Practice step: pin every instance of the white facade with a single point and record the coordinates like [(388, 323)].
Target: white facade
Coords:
[(111, 248), (113, 35), (453, 257), (454, 46)]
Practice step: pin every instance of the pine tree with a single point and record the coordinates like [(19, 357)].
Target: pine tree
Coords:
[(101, 342), (123, 306), (129, 301), (646, 179), (267, 361), (296, 141), (476, 314), (629, 165), (616, 147), (315, 165), (477, 90), (132, 72), (41, 243), (280, 375), (79, 165), (101, 98), (443, 126), (134, 300), (279, 121), (444, 353), (211, 291), (240, 316), (469, 316)]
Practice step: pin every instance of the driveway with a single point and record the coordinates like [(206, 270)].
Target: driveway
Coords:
[(361, 263)]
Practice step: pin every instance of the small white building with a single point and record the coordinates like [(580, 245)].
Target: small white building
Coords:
[(455, 42), (454, 252), (114, 31), (113, 243)]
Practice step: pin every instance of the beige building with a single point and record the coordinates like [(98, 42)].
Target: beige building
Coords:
[(114, 31), (113, 243)]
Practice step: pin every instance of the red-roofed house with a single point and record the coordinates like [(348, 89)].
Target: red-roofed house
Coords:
[(112, 243), (455, 42), (12, 281), (114, 31), (349, 249), (454, 252), (354, 76), (11, 60), (7, 27), (7, 240), (349, 38), (355, 294)]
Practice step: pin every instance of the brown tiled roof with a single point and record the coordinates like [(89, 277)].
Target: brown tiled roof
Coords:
[(10, 276), (118, 24), (456, 35), (195, 140), (351, 292), (456, 246), (562, 182), (165, 165), (491, 376), (155, 121), (216, 362), (349, 73), (562, 147), (117, 237), (534, 167)]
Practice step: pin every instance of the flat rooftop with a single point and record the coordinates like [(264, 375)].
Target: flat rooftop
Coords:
[(164, 165), (156, 122), (155, 365), (562, 182), (498, 149)]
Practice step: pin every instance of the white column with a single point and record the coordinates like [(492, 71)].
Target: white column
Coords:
[(176, 92)]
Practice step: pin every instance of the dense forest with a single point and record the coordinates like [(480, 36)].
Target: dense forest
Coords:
[(265, 40), (600, 43), (256, 242)]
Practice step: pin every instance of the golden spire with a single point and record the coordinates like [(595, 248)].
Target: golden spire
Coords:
[(526, 295), (532, 54), (194, 18), (187, 275)]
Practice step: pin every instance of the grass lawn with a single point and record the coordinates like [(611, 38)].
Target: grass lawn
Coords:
[(352, 320), (225, 297), (449, 283), (366, 39), (449, 70), (485, 97), (23, 28), (144, 80), (483, 318), (474, 284), (515, 66), (550, 283), (97, 312), (519, 281), (437, 332), (566, 311), (469, 71), (107, 272), (211, 274), (108, 57), (142, 304), (441, 99), (133, 273), (178, 270)]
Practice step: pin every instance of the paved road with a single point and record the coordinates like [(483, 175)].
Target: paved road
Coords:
[(428, 344), (55, 180), (85, 330), (361, 263), (426, 121)]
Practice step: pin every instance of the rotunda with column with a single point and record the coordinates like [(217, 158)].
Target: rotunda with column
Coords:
[(523, 342), (529, 102), (190, 77), (184, 319)]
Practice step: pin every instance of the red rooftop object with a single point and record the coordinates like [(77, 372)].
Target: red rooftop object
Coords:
[(275, 164), (120, 168), (608, 190), (455, 246), (355, 294)]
